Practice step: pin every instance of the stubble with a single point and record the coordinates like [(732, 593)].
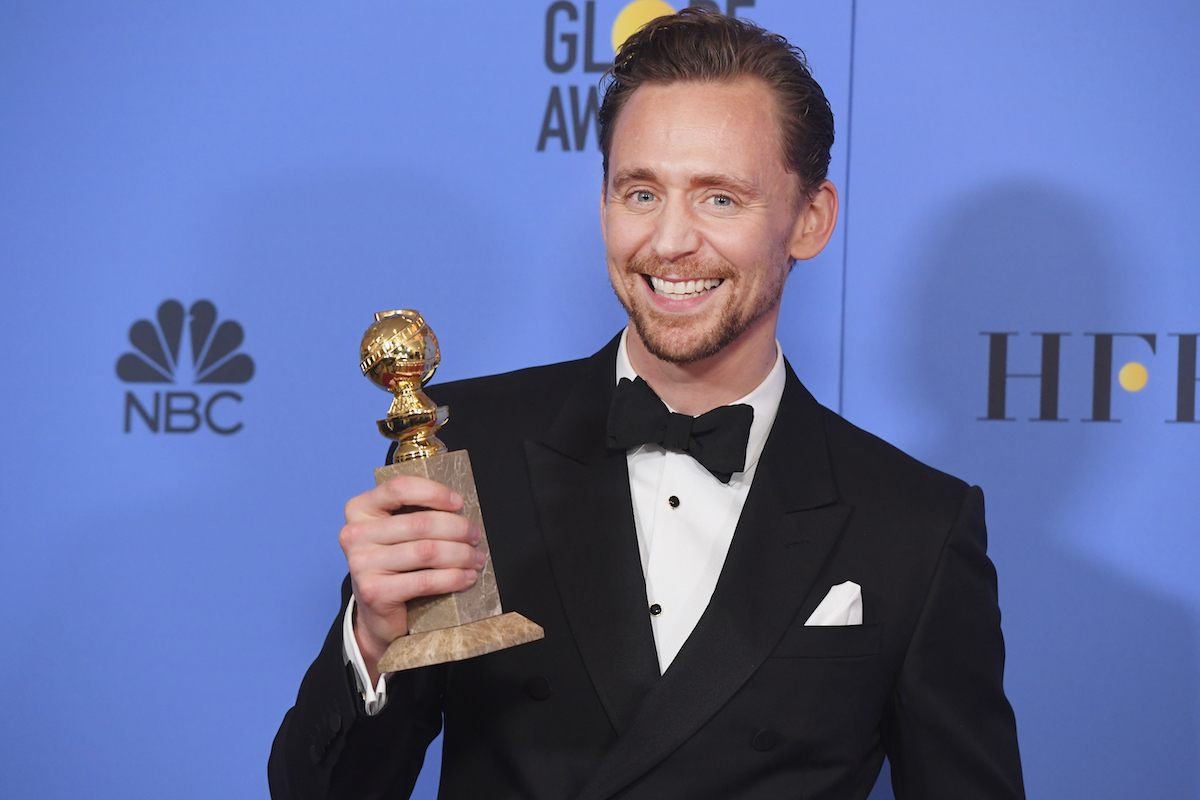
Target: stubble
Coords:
[(687, 338)]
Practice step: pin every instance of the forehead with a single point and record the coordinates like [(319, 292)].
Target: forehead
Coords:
[(728, 127)]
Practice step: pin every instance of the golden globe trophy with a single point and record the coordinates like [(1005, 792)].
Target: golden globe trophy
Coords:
[(400, 354)]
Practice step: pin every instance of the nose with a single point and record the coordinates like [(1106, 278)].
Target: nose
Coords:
[(675, 233)]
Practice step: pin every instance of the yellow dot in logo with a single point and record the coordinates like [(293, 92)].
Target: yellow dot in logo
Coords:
[(634, 16), (1133, 377)]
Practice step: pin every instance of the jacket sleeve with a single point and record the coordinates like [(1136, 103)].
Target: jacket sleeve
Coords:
[(327, 747), (949, 730)]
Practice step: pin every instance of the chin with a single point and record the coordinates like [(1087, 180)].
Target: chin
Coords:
[(687, 338), (685, 343)]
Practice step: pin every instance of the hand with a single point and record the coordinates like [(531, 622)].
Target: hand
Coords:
[(402, 540)]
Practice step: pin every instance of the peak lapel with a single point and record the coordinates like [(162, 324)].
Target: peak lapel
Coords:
[(789, 525), (581, 491)]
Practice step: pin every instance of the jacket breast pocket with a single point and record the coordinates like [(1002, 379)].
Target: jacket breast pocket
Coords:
[(832, 641)]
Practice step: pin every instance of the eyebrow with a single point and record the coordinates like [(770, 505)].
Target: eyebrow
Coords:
[(633, 176), (722, 180), (718, 180)]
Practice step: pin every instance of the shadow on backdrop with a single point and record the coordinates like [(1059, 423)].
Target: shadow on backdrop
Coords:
[(1102, 671)]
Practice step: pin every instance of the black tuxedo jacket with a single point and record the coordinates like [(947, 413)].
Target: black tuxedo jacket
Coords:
[(756, 704)]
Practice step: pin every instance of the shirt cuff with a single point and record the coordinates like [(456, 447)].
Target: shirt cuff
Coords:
[(374, 699)]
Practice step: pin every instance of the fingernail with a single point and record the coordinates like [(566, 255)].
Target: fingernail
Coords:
[(480, 558), (476, 535), (456, 498)]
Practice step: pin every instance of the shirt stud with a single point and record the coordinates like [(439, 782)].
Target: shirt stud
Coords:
[(655, 609), (673, 501)]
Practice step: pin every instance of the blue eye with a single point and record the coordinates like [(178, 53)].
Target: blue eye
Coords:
[(722, 200), (643, 197)]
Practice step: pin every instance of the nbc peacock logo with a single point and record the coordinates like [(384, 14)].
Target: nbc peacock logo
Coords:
[(160, 357)]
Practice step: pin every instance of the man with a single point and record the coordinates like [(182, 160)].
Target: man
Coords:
[(762, 616)]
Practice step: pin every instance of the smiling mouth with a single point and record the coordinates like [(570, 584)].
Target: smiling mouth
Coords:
[(682, 290)]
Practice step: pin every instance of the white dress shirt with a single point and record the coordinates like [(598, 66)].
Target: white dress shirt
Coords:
[(684, 543), (685, 519)]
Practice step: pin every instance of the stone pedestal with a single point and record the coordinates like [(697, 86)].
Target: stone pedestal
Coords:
[(452, 627)]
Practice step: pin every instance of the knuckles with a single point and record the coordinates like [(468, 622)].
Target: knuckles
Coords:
[(423, 583), (398, 488), (351, 509), (425, 551), (349, 536), (367, 592), (416, 526), (356, 560), (433, 525)]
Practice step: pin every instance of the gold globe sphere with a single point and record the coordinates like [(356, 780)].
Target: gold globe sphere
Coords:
[(399, 347), (400, 353)]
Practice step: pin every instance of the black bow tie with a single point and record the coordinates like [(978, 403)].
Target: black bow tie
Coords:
[(716, 439)]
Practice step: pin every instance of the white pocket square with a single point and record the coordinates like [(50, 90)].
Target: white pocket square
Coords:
[(842, 606)]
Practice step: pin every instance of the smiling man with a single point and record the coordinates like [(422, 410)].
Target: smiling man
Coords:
[(743, 595), (701, 220)]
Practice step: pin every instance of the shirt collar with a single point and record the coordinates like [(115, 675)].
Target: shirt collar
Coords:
[(764, 398)]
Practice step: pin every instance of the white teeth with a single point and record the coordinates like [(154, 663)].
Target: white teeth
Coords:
[(683, 290)]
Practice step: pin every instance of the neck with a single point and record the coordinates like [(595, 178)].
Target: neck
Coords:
[(700, 386)]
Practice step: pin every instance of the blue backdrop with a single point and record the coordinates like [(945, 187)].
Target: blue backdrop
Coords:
[(1012, 296)]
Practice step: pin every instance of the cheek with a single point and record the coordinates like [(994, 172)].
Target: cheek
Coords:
[(745, 250), (625, 234), (618, 273)]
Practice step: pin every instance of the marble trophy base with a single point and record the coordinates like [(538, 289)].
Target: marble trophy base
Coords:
[(460, 642), (453, 627)]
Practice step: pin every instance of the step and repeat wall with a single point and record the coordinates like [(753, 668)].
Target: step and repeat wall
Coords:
[(202, 205)]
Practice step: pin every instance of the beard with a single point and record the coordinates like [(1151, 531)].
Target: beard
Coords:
[(687, 338)]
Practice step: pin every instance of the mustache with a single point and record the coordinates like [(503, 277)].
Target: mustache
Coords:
[(690, 268)]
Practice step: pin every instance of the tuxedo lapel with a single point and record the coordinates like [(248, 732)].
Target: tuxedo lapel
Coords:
[(789, 525), (581, 491)]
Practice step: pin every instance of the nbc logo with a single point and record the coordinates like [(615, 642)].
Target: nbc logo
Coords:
[(158, 357)]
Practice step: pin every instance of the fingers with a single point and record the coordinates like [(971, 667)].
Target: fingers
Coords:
[(402, 540), (403, 492), (425, 555), (384, 593), (439, 526), (391, 513)]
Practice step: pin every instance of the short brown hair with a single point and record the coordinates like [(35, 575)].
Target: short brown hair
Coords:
[(703, 46)]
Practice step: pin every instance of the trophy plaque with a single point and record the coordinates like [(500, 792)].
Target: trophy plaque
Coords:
[(400, 354)]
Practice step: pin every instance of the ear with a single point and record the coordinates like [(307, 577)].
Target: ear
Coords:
[(815, 222)]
